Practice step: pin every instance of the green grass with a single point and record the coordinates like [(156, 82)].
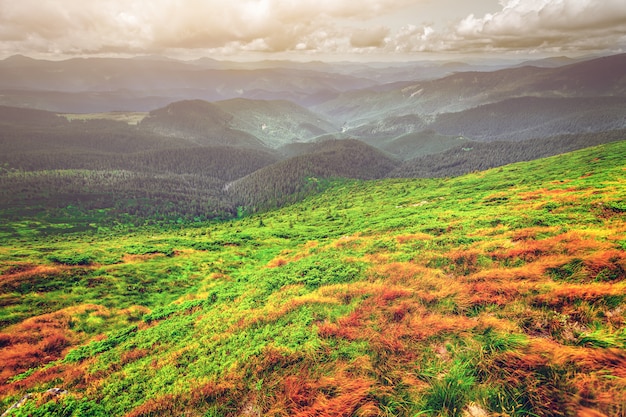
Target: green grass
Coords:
[(499, 290)]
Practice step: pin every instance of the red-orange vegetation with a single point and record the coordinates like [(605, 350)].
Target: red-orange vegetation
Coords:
[(393, 339), (74, 375), (605, 396), (464, 262), (277, 262), (39, 340), (540, 193), (534, 271), (578, 244), (433, 324), (167, 404), (402, 239), (527, 373), (352, 242), (530, 233), (378, 258), (588, 412), (194, 402), (341, 394), (133, 355), (393, 293), (528, 250), (211, 391), (569, 243), (598, 377), (611, 261), (397, 273), (566, 294), (351, 327), (273, 358), (128, 258), (30, 273), (586, 358), (499, 293), (220, 276)]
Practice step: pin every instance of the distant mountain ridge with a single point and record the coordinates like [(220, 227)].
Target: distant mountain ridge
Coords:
[(604, 76)]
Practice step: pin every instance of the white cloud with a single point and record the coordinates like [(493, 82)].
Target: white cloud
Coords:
[(315, 26), (561, 24), (76, 26)]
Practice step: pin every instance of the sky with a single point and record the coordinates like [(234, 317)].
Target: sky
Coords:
[(311, 29)]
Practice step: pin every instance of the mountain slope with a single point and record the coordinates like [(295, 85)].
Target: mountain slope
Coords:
[(238, 122), (532, 117), (473, 156), (198, 121), (500, 292), (275, 122), (597, 77)]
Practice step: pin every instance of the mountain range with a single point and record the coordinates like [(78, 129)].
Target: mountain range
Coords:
[(267, 134)]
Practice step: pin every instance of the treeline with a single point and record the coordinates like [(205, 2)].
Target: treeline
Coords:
[(477, 156), (120, 193), (290, 180), (219, 162), (85, 135)]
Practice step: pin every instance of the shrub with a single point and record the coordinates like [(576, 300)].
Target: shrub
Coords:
[(93, 348)]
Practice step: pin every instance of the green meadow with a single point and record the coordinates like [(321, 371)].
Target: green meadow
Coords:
[(497, 293)]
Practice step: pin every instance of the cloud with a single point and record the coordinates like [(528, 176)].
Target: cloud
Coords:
[(369, 38), (524, 26), (556, 24), (74, 26), (67, 27)]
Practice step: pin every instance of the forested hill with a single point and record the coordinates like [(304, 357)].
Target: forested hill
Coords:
[(289, 180), (200, 122), (238, 122)]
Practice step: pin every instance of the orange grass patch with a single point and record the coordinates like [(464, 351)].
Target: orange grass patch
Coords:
[(39, 340), (28, 273), (534, 271), (341, 394), (599, 377), (568, 293), (402, 239)]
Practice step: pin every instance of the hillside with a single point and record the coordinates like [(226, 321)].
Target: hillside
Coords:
[(532, 117), (472, 156), (276, 122), (199, 121), (593, 78), (237, 122), (290, 180), (496, 293)]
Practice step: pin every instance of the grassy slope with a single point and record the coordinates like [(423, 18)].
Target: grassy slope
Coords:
[(501, 290)]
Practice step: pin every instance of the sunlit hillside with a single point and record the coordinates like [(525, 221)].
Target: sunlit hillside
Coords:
[(498, 293)]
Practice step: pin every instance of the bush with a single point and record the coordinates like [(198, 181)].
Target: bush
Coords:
[(93, 348), (73, 259)]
